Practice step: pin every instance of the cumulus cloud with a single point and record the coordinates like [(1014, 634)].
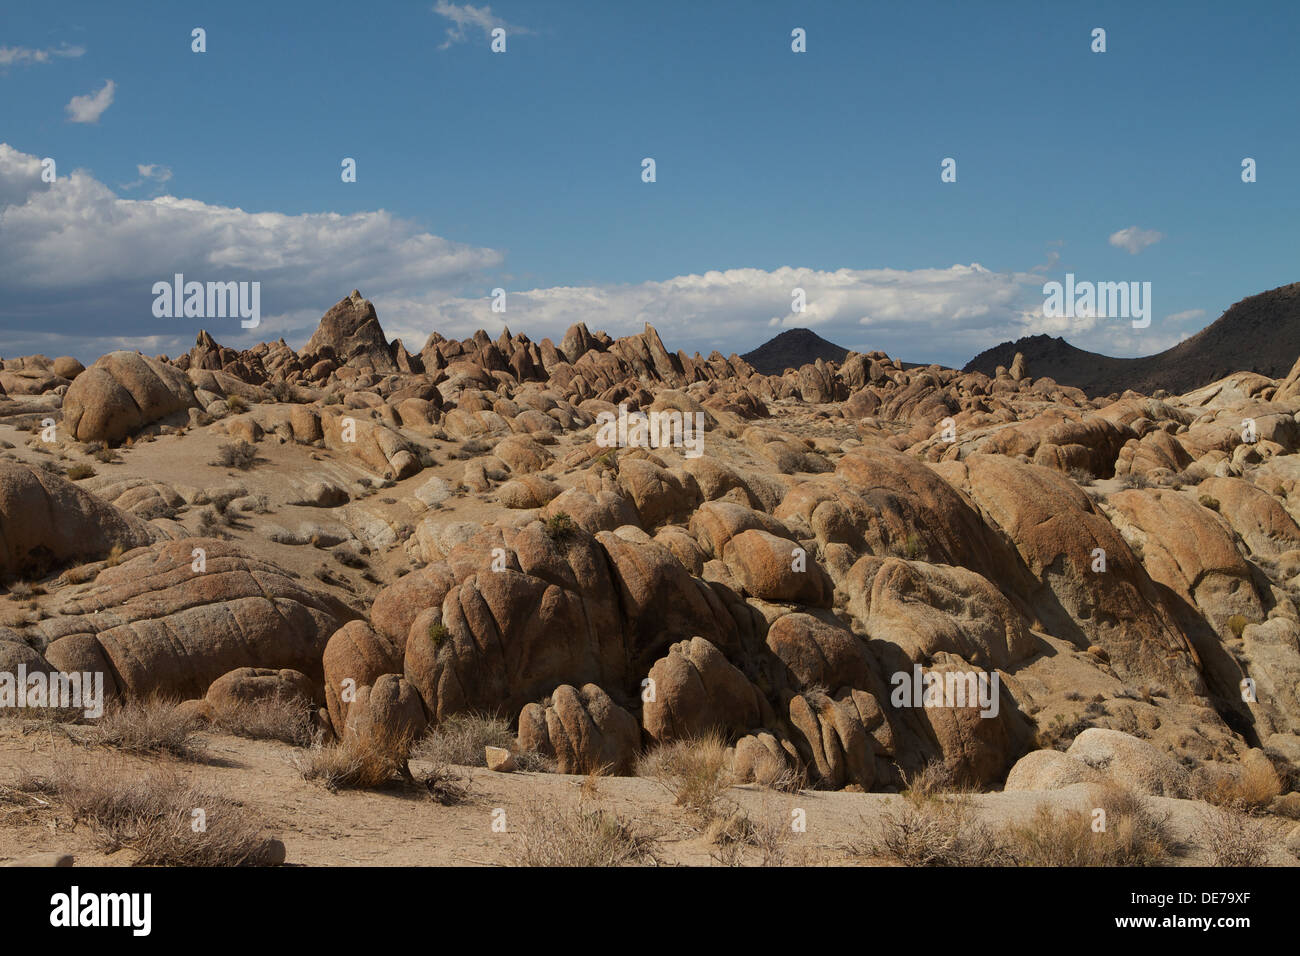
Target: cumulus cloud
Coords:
[(1191, 315), (1133, 240), (90, 107), (466, 17), (24, 56), (77, 263)]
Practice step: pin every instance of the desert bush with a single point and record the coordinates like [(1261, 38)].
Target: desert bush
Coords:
[(445, 785), (559, 526), (80, 471), (1134, 480), (153, 815), (461, 739), (1134, 834), (1060, 733), (773, 773), (237, 454), (934, 832), (1081, 477), (741, 837), (151, 725), (364, 761), (551, 835), (934, 780), (287, 719), (237, 403), (470, 449), (693, 770), (1208, 501), (1237, 624), (1233, 838), (1251, 788)]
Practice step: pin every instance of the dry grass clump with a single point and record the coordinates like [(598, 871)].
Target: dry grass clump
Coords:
[(551, 835), (286, 719), (151, 725), (931, 831), (935, 780), (361, 761), (446, 785), (1234, 838), (237, 454), (80, 471), (1251, 788), (773, 773), (1133, 834), (159, 816), (693, 770), (461, 739), (743, 839)]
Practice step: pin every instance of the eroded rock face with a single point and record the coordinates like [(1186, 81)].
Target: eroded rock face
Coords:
[(697, 690), (156, 625), (47, 521), (1060, 536), (583, 729), (121, 393), (350, 333)]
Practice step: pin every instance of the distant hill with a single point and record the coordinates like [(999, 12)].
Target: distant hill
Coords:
[(1258, 334), (792, 349)]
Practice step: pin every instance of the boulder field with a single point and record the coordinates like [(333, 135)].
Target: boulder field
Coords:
[(859, 569)]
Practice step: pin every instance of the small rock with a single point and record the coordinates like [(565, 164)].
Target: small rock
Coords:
[(499, 759)]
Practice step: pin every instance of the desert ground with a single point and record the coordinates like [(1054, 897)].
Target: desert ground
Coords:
[(367, 606)]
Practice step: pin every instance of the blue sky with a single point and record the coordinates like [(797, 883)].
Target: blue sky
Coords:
[(522, 170)]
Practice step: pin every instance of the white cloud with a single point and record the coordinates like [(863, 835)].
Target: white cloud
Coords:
[(90, 107), (21, 56), (1189, 316), (1133, 240), (154, 173), (465, 16), (77, 263)]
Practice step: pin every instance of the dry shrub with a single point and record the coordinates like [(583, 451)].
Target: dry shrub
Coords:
[(461, 739), (935, 780), (773, 773), (1251, 788), (741, 837), (694, 771), (361, 761), (153, 815), (1234, 838), (550, 835), (287, 719), (237, 454), (150, 725), (446, 785), (1134, 834), (928, 830)]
